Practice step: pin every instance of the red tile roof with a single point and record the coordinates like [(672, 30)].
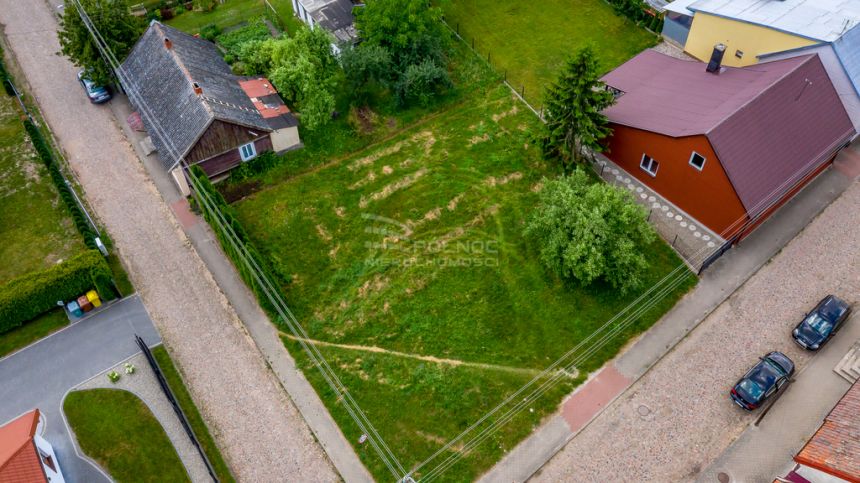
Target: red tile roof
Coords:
[(19, 462), (835, 447), (770, 124)]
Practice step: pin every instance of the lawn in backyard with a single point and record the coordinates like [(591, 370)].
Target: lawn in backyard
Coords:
[(232, 13), (36, 230), (531, 40), (119, 432), (409, 270)]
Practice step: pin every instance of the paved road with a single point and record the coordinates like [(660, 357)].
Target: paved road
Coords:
[(259, 430), (40, 375), (765, 451), (677, 419)]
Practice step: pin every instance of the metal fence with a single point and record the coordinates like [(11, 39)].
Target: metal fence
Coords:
[(176, 408)]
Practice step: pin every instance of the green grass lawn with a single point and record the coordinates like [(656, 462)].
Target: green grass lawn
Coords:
[(118, 431), (412, 249), (36, 230), (226, 15), (530, 40), (32, 331), (174, 380)]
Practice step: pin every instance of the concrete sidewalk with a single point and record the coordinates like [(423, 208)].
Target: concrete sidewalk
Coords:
[(717, 283), (261, 330)]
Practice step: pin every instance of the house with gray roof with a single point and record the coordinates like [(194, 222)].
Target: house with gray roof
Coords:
[(195, 109), (334, 16), (725, 145)]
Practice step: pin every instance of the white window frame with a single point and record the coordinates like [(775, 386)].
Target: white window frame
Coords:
[(650, 164), (704, 160), (251, 147)]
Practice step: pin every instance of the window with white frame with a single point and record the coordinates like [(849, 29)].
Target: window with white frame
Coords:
[(649, 164), (248, 151), (697, 161)]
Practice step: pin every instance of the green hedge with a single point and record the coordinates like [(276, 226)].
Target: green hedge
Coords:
[(228, 215), (50, 161), (26, 297)]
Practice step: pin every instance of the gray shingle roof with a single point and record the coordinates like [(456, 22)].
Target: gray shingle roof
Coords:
[(175, 116)]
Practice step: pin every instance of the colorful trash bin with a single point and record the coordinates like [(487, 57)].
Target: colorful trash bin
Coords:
[(84, 303), (93, 297), (74, 309)]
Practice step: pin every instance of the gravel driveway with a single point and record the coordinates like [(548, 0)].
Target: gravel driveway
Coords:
[(678, 417), (261, 433)]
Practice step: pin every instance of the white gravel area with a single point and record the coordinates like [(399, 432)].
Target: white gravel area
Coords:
[(261, 434), (143, 384), (692, 420)]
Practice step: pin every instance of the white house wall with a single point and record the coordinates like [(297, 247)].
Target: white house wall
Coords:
[(838, 76)]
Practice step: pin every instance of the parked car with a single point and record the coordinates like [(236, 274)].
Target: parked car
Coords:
[(821, 323), (96, 93), (771, 373)]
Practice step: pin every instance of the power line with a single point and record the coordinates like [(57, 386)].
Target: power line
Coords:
[(271, 293)]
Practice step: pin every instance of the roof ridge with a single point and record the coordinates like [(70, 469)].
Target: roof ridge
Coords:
[(179, 63)]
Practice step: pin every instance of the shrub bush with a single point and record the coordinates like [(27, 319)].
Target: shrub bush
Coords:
[(227, 214), (26, 297), (66, 195), (210, 31)]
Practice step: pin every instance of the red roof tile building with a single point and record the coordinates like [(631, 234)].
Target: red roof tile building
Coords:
[(24, 456), (835, 448), (727, 147)]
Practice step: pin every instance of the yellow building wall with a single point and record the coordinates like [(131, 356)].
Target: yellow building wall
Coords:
[(753, 40)]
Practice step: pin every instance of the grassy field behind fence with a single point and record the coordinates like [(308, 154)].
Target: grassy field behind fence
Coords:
[(530, 40)]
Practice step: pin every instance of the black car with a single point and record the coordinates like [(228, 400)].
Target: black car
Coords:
[(768, 376), (821, 323)]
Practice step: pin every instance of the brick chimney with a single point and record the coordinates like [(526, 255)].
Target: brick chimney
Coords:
[(167, 43), (197, 89)]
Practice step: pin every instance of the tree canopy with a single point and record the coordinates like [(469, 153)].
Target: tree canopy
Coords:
[(114, 22), (590, 231), (575, 124)]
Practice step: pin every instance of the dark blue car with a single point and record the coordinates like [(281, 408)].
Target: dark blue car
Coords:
[(95, 93), (762, 381), (821, 323)]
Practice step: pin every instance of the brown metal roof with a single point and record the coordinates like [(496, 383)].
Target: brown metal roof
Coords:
[(19, 462), (770, 124), (835, 447)]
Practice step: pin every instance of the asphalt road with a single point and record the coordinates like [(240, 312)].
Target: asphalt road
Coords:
[(40, 375)]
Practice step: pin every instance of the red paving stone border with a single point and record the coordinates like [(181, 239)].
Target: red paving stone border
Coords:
[(593, 396)]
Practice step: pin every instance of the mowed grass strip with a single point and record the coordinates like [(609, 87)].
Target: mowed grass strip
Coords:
[(119, 432), (531, 40), (32, 331), (36, 230), (415, 245)]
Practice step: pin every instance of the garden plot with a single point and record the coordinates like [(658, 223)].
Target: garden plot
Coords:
[(409, 271)]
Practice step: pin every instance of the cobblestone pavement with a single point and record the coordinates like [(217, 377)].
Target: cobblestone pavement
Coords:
[(678, 418), (262, 435)]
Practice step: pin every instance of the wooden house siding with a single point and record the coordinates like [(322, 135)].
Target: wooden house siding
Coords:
[(220, 137), (706, 195), (227, 160)]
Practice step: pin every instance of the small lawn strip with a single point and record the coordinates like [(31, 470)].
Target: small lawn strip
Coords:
[(32, 331), (119, 432), (183, 397)]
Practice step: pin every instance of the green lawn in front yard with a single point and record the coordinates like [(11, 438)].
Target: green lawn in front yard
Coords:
[(36, 230), (32, 331), (119, 432), (412, 251), (531, 40), (174, 380)]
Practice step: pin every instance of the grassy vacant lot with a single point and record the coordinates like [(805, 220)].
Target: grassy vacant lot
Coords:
[(411, 251), (174, 380), (530, 40), (116, 429), (35, 228)]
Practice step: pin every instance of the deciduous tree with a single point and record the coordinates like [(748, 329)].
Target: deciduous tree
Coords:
[(589, 231)]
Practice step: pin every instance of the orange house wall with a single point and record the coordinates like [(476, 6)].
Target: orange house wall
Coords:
[(707, 195)]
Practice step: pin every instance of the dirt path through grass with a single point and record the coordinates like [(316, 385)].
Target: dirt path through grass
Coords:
[(435, 360)]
